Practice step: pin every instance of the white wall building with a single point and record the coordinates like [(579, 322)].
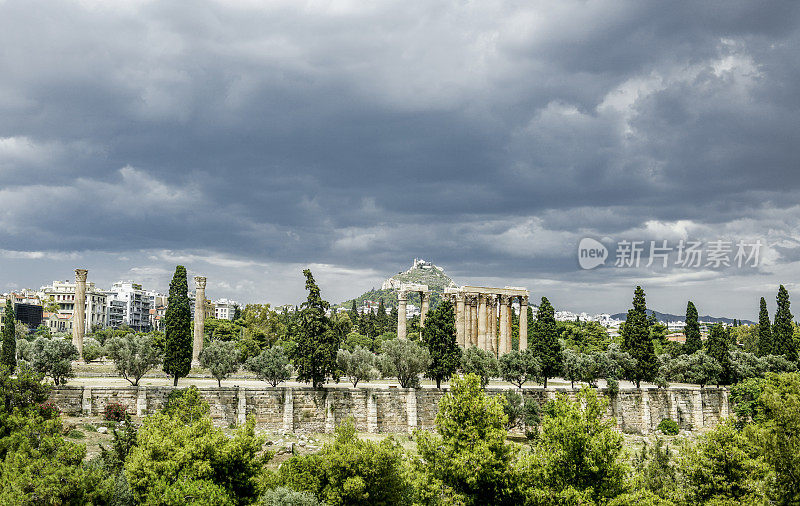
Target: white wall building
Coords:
[(136, 304), (224, 309), (63, 294)]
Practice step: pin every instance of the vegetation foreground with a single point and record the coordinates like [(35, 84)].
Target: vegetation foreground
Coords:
[(573, 456)]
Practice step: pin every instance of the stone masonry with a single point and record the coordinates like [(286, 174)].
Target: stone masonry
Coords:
[(388, 409)]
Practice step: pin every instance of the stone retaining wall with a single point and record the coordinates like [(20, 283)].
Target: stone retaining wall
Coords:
[(387, 409)]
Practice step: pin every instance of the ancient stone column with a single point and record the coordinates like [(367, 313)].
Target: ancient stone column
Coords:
[(510, 310), (199, 318), (425, 297), (482, 316), (492, 341), (523, 323), (79, 311), (402, 299), (460, 320), (503, 325), (468, 326), (475, 321)]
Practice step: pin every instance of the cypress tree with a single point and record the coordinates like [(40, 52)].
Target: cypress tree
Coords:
[(9, 353), (544, 342), (636, 341), (355, 318), (314, 356), (782, 329), (393, 320), (717, 348), (381, 319), (439, 335), (764, 330), (178, 328), (692, 330)]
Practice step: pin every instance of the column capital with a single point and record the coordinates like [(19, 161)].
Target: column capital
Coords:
[(80, 275), (523, 300), (504, 299), (200, 282), (460, 296), (402, 295), (425, 296)]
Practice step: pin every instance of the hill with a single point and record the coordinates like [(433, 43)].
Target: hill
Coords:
[(668, 317), (421, 272)]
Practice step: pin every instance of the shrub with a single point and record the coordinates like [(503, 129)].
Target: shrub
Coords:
[(92, 350), (668, 426), (54, 357), (357, 365), (75, 434), (48, 410), (114, 412), (282, 496)]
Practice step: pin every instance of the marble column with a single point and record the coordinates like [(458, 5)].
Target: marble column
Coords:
[(482, 321), (523, 323), (199, 318), (468, 326), (492, 325), (503, 325), (475, 321), (425, 297), (79, 311), (510, 309), (402, 299), (460, 320)]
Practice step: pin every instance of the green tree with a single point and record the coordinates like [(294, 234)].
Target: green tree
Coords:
[(221, 358), (468, 462), (133, 356), (270, 365), (177, 325), (481, 363), (692, 330), (697, 368), (358, 365), (53, 357), (9, 352), (439, 336), (636, 341), (179, 454), (381, 319), (545, 343), (764, 330), (782, 328), (350, 471), (717, 348), (578, 453), (519, 367), (723, 468), (404, 360), (314, 356)]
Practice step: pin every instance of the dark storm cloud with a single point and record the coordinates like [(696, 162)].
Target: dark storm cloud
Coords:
[(485, 136)]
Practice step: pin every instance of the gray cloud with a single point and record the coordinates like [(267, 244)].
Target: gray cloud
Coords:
[(487, 137)]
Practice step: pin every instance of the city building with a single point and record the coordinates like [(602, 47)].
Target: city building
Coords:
[(224, 309), (62, 294), (136, 304)]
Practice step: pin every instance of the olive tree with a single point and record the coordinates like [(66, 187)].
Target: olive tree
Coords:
[(221, 358), (133, 356), (357, 365), (53, 357), (518, 367), (481, 363), (404, 360), (270, 365)]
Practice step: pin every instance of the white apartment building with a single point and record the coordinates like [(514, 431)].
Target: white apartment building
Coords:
[(224, 309), (63, 294), (136, 304)]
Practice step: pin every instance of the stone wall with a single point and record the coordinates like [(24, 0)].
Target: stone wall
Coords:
[(387, 409)]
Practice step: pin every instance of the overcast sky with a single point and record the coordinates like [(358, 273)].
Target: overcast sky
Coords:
[(248, 140)]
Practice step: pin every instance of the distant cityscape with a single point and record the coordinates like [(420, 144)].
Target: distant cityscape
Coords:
[(126, 303)]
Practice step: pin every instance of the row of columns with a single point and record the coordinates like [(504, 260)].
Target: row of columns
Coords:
[(484, 320), (402, 301)]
